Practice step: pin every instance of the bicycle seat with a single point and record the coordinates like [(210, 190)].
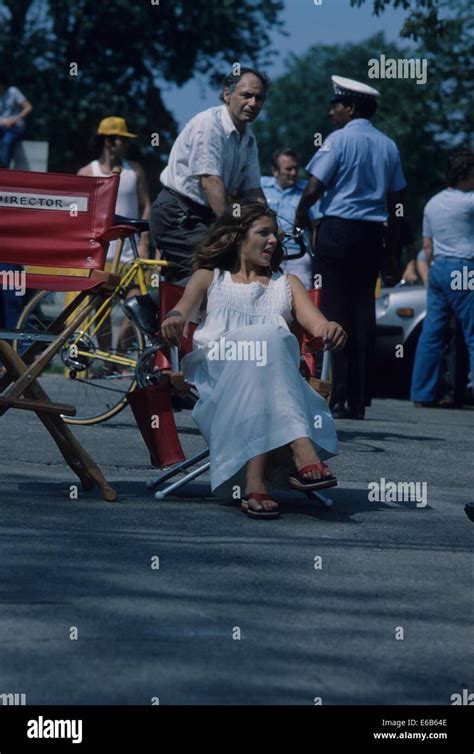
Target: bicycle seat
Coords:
[(142, 226)]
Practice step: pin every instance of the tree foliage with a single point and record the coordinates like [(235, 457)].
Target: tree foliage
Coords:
[(445, 31), (122, 50), (426, 20)]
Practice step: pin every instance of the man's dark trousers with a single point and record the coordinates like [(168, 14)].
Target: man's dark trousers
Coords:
[(178, 224), (348, 257)]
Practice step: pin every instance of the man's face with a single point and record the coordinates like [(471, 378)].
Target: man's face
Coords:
[(340, 114), (287, 172), (246, 100)]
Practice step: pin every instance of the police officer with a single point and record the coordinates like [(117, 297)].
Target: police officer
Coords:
[(359, 171)]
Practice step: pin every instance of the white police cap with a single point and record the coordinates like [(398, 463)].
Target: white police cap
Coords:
[(349, 88)]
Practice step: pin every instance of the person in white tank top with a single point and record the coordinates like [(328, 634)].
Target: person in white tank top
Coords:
[(113, 139)]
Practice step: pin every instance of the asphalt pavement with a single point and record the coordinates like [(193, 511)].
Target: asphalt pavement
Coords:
[(188, 601)]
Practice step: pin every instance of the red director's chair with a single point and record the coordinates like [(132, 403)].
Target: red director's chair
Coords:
[(58, 221)]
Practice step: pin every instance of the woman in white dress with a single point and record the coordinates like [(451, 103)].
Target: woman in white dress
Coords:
[(245, 361)]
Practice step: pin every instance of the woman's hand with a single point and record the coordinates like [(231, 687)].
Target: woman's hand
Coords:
[(334, 336), (173, 327)]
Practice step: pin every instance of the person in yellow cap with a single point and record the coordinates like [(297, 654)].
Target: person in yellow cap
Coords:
[(110, 145)]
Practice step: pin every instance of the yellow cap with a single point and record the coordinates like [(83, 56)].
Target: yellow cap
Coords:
[(114, 127)]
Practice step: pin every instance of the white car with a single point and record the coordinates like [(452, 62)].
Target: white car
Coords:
[(400, 312)]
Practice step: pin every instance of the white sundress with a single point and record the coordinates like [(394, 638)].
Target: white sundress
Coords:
[(245, 365)]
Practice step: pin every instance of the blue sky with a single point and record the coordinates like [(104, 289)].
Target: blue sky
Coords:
[(307, 24)]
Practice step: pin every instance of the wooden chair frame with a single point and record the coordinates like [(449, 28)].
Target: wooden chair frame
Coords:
[(43, 237)]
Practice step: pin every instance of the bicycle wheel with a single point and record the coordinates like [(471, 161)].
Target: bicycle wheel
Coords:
[(93, 371)]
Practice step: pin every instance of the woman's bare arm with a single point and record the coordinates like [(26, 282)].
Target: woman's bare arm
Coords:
[(312, 320), (173, 326)]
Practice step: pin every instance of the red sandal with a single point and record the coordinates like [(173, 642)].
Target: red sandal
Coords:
[(303, 484), (258, 496)]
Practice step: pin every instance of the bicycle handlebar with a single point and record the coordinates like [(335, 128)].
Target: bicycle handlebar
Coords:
[(297, 235)]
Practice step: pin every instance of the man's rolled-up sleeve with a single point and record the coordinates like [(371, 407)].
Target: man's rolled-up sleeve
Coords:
[(252, 178), (206, 156), (325, 162)]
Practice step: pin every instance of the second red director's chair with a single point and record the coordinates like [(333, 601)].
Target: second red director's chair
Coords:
[(158, 374), (54, 220)]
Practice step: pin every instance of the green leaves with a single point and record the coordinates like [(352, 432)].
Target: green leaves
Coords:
[(122, 51), (426, 20)]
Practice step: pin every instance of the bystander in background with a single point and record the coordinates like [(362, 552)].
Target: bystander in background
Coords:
[(448, 240), (283, 192)]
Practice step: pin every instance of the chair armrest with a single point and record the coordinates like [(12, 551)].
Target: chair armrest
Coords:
[(141, 226), (117, 231), (314, 345)]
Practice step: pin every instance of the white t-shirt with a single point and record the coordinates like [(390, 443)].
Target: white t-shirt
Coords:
[(11, 103), (210, 144), (448, 219)]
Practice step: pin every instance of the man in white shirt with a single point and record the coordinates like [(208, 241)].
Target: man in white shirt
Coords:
[(213, 162)]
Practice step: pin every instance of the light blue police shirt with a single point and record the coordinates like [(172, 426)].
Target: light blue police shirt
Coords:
[(284, 202), (358, 166)]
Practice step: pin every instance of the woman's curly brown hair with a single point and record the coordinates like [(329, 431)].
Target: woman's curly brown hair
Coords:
[(220, 246)]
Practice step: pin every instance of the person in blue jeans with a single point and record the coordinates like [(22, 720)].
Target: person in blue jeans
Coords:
[(14, 107), (11, 301), (11, 304), (448, 239)]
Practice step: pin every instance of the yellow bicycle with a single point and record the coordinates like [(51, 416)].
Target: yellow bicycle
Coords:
[(95, 369)]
